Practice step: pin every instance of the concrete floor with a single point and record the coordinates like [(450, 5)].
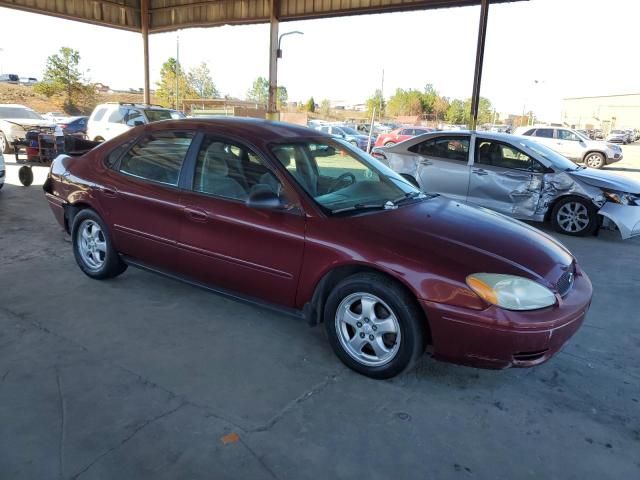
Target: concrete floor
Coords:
[(144, 377)]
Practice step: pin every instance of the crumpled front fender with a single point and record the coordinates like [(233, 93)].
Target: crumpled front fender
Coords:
[(626, 218)]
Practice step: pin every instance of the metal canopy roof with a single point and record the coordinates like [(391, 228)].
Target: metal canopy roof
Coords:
[(167, 15)]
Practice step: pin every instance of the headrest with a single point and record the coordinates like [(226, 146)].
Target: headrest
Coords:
[(214, 160), (283, 155)]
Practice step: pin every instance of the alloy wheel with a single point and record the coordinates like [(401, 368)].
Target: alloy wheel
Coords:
[(594, 160), (573, 217), (368, 330), (92, 244)]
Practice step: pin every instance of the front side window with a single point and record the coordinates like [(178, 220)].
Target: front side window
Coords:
[(338, 177), (157, 157), (406, 131), (450, 148), (226, 169), (500, 155), (567, 135), (157, 115), (134, 118)]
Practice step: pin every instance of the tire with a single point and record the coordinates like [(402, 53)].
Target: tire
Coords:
[(25, 175), (92, 247), (389, 144), (575, 216), (386, 306), (595, 160), (98, 139), (5, 146)]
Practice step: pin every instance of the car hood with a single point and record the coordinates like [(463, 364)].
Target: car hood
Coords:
[(444, 235), (608, 180), (30, 122)]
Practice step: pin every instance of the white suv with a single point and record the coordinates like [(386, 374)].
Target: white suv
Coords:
[(109, 120), (574, 145)]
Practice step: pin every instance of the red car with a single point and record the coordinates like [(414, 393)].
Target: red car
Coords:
[(400, 135), (289, 217)]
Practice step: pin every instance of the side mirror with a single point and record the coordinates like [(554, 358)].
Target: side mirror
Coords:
[(137, 123), (262, 197)]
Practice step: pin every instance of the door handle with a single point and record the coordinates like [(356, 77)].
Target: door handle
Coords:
[(480, 171), (426, 162), (196, 214), (109, 191)]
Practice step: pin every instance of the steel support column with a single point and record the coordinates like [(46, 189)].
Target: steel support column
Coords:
[(477, 75), (144, 20), (272, 107)]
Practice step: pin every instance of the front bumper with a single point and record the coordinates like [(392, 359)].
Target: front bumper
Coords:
[(496, 338), (613, 157), (626, 218)]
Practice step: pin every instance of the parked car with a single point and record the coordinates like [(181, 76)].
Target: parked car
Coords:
[(574, 145), (3, 173), (9, 78), (617, 136), (55, 117), (347, 133), (109, 120), (400, 135), (631, 135), (519, 177), (284, 215), (15, 121), (74, 126), (28, 81)]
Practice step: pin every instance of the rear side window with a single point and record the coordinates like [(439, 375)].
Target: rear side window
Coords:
[(451, 148), (99, 114), (117, 116), (157, 157), (544, 132)]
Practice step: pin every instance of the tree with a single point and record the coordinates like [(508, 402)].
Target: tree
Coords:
[(376, 102), (62, 75), (429, 98), (440, 107), (457, 114), (200, 80), (405, 102), (167, 85), (325, 107), (259, 93), (311, 105)]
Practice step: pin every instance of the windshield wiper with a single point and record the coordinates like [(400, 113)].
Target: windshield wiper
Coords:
[(407, 196), (388, 205)]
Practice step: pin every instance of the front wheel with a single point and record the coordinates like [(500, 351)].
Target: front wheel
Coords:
[(374, 326), (389, 144), (5, 146), (92, 247), (574, 216), (594, 160)]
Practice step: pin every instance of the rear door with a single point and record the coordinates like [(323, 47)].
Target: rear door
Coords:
[(505, 179), (116, 123), (443, 165), (141, 198), (226, 244)]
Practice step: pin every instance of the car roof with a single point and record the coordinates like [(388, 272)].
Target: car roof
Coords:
[(256, 128), (14, 105)]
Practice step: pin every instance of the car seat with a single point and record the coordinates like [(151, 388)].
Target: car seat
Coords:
[(214, 175)]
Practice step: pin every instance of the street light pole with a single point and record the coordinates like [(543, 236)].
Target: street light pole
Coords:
[(177, 66)]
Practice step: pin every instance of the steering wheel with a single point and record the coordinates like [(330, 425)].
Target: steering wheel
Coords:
[(341, 179)]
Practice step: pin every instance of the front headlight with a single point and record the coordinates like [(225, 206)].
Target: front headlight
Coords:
[(510, 292), (622, 198)]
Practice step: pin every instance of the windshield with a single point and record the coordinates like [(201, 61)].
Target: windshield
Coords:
[(157, 115), (582, 135), (339, 177), (349, 131), (618, 132), (17, 112), (557, 160)]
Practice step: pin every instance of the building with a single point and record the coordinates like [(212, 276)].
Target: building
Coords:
[(606, 112)]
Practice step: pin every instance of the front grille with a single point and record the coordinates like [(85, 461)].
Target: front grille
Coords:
[(565, 282)]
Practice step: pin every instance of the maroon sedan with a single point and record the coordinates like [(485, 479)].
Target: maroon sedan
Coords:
[(292, 218)]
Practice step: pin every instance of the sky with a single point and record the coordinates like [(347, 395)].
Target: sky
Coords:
[(537, 52)]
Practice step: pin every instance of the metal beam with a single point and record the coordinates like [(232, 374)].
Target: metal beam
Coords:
[(144, 21), (477, 75), (272, 107)]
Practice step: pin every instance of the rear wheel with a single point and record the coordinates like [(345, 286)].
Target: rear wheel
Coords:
[(92, 247), (374, 326), (389, 144), (594, 160), (5, 146), (574, 216)]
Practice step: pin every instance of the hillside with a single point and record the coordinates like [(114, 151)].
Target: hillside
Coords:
[(40, 103)]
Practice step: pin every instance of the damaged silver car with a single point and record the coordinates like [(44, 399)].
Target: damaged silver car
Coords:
[(518, 177)]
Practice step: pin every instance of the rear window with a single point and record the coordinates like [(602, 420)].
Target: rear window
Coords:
[(97, 116), (157, 115)]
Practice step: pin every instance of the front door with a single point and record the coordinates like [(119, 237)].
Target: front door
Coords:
[(443, 165), (569, 144), (505, 179), (226, 244), (140, 193)]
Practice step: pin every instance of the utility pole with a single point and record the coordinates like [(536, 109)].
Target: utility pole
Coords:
[(381, 96), (177, 67)]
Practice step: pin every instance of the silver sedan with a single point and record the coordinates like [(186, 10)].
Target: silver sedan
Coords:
[(519, 177)]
